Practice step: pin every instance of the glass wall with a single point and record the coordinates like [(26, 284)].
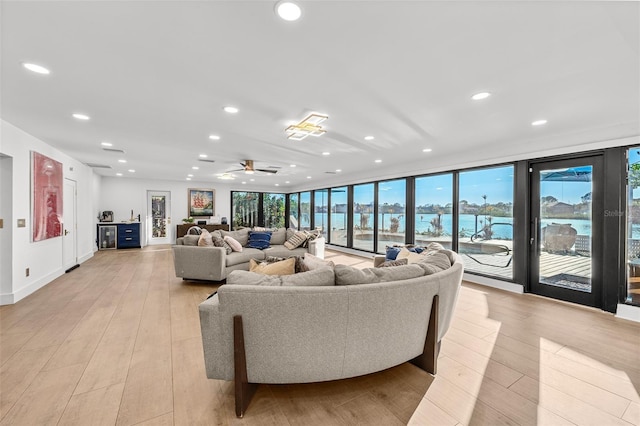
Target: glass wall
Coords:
[(273, 210), (363, 215), (633, 227), (244, 209), (338, 216), (391, 213), (433, 211), (293, 211), (305, 211), (485, 221), (320, 209)]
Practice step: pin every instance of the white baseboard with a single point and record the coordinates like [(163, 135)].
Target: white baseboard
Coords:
[(6, 299), (85, 257), (491, 282), (36, 285), (628, 312)]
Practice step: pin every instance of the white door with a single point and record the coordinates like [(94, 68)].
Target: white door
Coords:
[(6, 226), (69, 234), (158, 217)]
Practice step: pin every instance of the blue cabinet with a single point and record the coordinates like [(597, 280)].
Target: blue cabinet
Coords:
[(128, 235), (118, 235)]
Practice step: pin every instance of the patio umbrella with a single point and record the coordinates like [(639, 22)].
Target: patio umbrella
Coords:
[(572, 174)]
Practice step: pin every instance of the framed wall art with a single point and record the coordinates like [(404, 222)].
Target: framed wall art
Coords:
[(201, 202), (46, 197)]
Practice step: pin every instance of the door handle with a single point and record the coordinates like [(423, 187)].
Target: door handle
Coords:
[(66, 232)]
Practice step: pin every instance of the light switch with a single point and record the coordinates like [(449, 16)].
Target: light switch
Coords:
[(22, 223)]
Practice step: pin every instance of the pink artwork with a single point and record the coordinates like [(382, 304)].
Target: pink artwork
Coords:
[(46, 178)]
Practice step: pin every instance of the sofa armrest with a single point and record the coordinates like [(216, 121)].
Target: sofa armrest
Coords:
[(200, 263), (316, 247), (217, 342)]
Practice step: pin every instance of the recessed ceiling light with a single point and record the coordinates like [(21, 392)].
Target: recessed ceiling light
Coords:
[(188, 178), (308, 177), (196, 168), (326, 153), (122, 161), (427, 150), (338, 170), (106, 144), (539, 122), (131, 171), (231, 110), (378, 161), (480, 96), (226, 176), (244, 183), (369, 138), (80, 116), (118, 174), (203, 155), (252, 180), (214, 137), (288, 11), (190, 175), (293, 165), (36, 68), (277, 184), (287, 181)]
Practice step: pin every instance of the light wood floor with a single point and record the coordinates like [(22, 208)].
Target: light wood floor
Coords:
[(117, 341)]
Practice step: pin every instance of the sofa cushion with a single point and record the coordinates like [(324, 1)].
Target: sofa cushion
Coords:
[(205, 239), (235, 244), (241, 236), (282, 251), (348, 275), (317, 277), (252, 278), (296, 240), (259, 239), (314, 262), (434, 262), (283, 267), (190, 240), (278, 236), (238, 257)]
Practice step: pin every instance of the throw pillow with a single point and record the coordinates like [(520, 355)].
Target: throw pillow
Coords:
[(259, 240), (397, 262), (392, 252), (191, 240), (348, 275), (317, 277), (284, 267), (314, 262), (311, 235), (220, 242), (260, 228), (296, 240), (205, 239), (194, 230), (239, 277), (412, 257), (235, 245), (300, 265), (434, 262)]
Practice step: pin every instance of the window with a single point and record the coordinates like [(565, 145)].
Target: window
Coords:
[(305, 211), (433, 211), (273, 210), (244, 209), (320, 216), (633, 227), (338, 216), (485, 221), (362, 220), (391, 213), (293, 211)]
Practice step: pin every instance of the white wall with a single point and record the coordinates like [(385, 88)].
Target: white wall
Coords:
[(43, 258), (121, 195), (6, 191)]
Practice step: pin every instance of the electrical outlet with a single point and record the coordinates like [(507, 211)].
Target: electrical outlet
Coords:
[(26, 272)]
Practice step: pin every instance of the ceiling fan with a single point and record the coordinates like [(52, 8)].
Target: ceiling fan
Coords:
[(248, 168)]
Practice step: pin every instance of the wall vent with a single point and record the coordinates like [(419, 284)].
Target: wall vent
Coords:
[(98, 166), (119, 151), (206, 161)]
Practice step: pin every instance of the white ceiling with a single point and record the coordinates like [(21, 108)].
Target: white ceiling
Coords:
[(154, 77)]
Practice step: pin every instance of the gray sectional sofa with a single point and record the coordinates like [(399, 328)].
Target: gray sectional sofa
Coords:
[(287, 333), (214, 264)]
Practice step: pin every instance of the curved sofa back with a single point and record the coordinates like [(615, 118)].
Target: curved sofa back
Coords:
[(310, 334)]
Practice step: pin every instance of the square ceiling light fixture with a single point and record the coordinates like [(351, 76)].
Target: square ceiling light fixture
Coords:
[(310, 126)]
